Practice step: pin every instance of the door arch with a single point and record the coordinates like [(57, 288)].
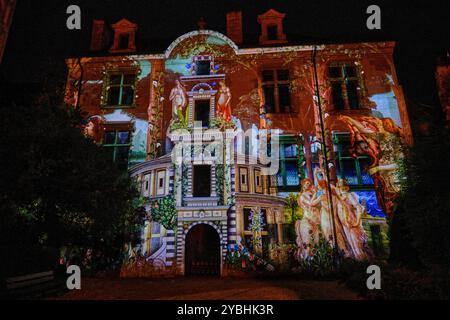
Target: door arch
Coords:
[(202, 251)]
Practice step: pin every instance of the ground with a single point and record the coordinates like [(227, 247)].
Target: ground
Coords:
[(209, 289)]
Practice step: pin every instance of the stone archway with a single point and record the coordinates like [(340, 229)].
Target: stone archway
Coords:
[(202, 251)]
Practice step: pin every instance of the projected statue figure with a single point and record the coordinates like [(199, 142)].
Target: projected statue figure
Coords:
[(223, 103), (178, 98)]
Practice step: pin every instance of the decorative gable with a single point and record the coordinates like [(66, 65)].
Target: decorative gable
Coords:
[(124, 37), (272, 27)]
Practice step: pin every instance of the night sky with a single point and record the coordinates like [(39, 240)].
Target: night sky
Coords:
[(39, 34)]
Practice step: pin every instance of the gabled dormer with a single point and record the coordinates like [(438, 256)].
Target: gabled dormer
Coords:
[(272, 27), (124, 37)]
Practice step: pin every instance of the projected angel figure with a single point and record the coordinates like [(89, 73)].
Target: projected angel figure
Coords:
[(223, 103), (178, 98)]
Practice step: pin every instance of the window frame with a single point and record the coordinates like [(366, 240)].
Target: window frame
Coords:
[(343, 80), (243, 187), (121, 86), (337, 142), (282, 161), (117, 145), (275, 83)]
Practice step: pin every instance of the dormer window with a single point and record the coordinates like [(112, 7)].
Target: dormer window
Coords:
[(124, 37), (272, 27)]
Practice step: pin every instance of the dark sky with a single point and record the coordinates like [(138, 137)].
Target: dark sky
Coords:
[(421, 29)]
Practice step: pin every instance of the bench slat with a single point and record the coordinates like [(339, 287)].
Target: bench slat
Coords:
[(29, 283), (29, 276)]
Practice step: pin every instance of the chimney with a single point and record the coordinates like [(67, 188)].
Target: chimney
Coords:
[(234, 26), (100, 35)]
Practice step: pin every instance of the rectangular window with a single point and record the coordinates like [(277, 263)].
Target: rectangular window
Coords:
[(118, 144), (272, 32), (157, 232), (258, 181), (243, 174), (201, 112), (203, 67), (287, 177), (202, 181), (161, 183), (124, 40), (121, 89), (344, 83), (353, 170), (276, 88)]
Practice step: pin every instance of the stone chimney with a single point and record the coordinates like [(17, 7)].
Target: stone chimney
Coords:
[(234, 26), (100, 35)]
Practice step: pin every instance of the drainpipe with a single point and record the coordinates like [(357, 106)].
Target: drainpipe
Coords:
[(324, 146), (80, 84)]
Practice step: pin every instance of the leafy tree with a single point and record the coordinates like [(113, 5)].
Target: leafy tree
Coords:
[(420, 227), (58, 188)]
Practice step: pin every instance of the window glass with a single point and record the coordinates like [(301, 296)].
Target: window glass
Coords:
[(123, 137), (352, 93), (272, 32), (285, 98), (338, 99), (290, 150), (292, 178), (114, 96), (203, 67)]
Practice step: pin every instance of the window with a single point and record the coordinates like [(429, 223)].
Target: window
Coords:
[(247, 220), (117, 142), (202, 181), (277, 91), (243, 178), (272, 32), (258, 181), (121, 89), (203, 67), (124, 40), (147, 192), (353, 170), (155, 237), (287, 177), (201, 112), (161, 183), (344, 86)]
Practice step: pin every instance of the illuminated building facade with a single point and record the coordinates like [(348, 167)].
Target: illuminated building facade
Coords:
[(206, 86)]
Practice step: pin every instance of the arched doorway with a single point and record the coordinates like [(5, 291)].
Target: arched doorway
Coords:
[(202, 251)]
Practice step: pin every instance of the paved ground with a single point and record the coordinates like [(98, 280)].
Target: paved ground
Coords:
[(209, 289)]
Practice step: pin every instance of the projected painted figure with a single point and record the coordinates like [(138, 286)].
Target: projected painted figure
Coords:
[(93, 128), (223, 103), (179, 100), (348, 213), (307, 229), (380, 140)]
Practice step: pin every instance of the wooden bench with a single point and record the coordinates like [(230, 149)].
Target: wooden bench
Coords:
[(32, 286)]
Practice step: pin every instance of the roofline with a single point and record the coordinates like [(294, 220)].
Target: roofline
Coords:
[(237, 50)]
